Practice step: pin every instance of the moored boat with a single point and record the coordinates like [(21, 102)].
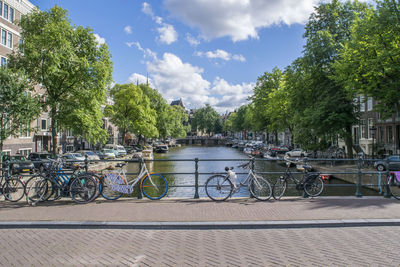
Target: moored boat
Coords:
[(161, 148)]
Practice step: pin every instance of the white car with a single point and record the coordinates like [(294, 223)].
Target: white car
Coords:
[(297, 153), (90, 154)]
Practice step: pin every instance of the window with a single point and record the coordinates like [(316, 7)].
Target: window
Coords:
[(69, 133), (9, 39), (389, 134), (369, 104), (370, 126), (362, 103), (25, 130), (43, 125), (11, 14), (6, 152), (1, 8), (363, 131), (3, 61), (381, 134), (25, 151), (3, 37), (5, 11)]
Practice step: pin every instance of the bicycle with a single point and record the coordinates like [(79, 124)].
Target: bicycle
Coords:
[(312, 184), (54, 183), (114, 184), (13, 189), (220, 187), (393, 184)]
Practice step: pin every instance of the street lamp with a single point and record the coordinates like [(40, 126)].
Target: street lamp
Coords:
[(373, 130)]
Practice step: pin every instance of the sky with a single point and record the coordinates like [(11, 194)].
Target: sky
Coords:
[(203, 51)]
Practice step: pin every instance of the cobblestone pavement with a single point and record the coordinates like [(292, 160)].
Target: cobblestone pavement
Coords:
[(352, 246)]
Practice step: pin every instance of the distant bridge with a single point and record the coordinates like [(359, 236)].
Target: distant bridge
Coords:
[(204, 140)]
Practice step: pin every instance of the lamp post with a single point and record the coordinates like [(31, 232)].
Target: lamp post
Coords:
[(373, 130)]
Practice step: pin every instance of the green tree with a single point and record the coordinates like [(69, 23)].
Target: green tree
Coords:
[(72, 68), (205, 119), (327, 107), (131, 111), (17, 107), (370, 59)]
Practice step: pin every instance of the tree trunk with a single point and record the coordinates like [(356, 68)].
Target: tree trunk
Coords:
[(349, 142), (53, 131)]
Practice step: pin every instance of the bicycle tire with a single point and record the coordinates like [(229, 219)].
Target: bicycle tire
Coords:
[(83, 189), (260, 188), (279, 188), (154, 186), (13, 189), (106, 187), (315, 187), (394, 187), (218, 187), (37, 188)]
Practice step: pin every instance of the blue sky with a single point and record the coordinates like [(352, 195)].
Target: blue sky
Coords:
[(204, 51)]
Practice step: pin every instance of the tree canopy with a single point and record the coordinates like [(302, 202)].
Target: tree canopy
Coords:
[(72, 68)]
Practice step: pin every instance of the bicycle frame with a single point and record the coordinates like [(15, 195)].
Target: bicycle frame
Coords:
[(143, 173)]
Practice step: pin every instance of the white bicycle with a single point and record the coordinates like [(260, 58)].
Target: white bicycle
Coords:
[(220, 187), (115, 184)]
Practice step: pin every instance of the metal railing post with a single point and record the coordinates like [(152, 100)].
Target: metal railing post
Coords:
[(359, 175), (86, 163), (141, 161), (252, 169), (305, 195), (196, 178), (387, 194)]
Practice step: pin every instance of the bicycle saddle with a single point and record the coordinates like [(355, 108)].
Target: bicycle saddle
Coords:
[(120, 165), (228, 168)]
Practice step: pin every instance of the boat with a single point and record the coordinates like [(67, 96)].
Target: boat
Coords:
[(257, 153), (301, 167), (161, 148), (247, 150), (147, 154), (271, 155)]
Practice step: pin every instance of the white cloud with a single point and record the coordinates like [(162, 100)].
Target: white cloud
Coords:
[(239, 19), (128, 29), (167, 32), (168, 35), (146, 52), (139, 78), (191, 40), (221, 54), (175, 79), (99, 40)]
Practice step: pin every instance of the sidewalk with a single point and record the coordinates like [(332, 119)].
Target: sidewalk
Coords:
[(203, 213)]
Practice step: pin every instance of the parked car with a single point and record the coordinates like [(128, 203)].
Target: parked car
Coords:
[(393, 161), (121, 151), (72, 159), (297, 153), (39, 159), (113, 148), (108, 153), (19, 164), (90, 154)]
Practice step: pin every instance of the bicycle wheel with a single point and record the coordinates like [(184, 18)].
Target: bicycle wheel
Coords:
[(83, 189), (154, 186), (13, 189), (109, 182), (218, 187), (314, 186), (279, 188), (394, 186), (37, 188), (260, 188)]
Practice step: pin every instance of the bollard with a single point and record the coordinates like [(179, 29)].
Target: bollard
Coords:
[(305, 195), (141, 161), (86, 163), (359, 175), (196, 178), (387, 194)]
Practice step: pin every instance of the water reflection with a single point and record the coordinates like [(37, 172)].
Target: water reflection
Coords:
[(182, 185)]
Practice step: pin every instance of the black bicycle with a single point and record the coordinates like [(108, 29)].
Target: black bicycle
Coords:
[(12, 188), (311, 183)]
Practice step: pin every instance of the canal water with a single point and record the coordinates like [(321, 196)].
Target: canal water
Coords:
[(212, 159)]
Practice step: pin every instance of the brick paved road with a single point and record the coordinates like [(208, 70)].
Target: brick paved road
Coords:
[(362, 246)]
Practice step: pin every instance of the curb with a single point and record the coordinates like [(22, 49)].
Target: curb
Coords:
[(223, 225)]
